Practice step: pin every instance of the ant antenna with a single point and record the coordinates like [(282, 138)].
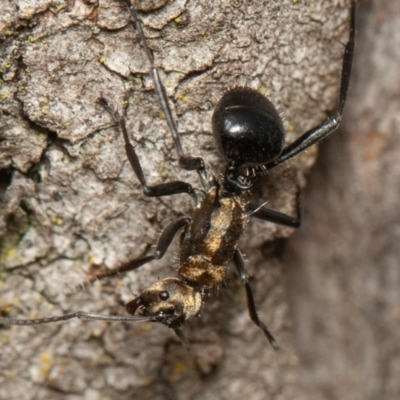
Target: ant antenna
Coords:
[(79, 314), (186, 162)]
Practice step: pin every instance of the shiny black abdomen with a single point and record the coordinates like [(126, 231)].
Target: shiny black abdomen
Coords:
[(247, 128)]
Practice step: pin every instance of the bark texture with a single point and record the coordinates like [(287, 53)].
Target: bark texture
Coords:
[(344, 273), (70, 202)]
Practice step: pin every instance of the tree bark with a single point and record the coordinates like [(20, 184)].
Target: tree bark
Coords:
[(344, 274), (70, 202)]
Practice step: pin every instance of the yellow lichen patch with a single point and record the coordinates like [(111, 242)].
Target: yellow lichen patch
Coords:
[(9, 374), (104, 359), (182, 98), (264, 91), (11, 252), (58, 221), (290, 128), (162, 115), (6, 310), (178, 370), (102, 60), (47, 362), (143, 328), (119, 284), (4, 339), (332, 79), (97, 332), (92, 260), (35, 316), (32, 39), (164, 170)]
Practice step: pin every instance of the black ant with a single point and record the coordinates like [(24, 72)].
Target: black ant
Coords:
[(249, 133)]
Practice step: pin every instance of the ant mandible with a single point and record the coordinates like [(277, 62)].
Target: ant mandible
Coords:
[(249, 134)]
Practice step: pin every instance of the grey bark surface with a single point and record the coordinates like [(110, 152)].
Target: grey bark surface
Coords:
[(344, 268), (70, 201)]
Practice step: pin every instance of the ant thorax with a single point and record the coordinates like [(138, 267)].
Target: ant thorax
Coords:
[(209, 242)]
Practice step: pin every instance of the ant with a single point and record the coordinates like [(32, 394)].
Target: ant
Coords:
[(249, 134)]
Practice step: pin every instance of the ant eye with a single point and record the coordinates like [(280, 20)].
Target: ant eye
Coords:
[(164, 295), (160, 315)]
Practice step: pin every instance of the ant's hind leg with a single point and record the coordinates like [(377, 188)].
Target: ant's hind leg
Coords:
[(162, 246), (238, 262)]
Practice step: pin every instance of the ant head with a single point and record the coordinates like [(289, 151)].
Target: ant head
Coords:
[(247, 128), (170, 300)]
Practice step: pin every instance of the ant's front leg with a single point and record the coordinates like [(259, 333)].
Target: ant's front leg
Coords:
[(321, 131), (162, 189)]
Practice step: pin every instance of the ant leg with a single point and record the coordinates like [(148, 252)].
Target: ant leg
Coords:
[(186, 162), (162, 189), (238, 262), (162, 245), (276, 217), (321, 131), (273, 216), (79, 314)]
